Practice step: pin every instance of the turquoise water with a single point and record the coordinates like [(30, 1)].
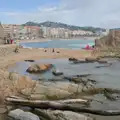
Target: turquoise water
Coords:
[(71, 44)]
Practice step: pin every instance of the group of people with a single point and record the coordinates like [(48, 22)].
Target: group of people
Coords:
[(88, 47), (8, 41), (53, 50)]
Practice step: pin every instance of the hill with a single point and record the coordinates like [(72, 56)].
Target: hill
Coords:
[(62, 25)]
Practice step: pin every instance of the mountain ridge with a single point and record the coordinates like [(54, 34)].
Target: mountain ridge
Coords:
[(63, 25)]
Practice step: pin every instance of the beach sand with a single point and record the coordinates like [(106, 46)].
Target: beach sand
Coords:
[(36, 54)]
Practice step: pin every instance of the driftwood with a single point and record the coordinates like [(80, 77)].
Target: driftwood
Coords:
[(60, 106), (68, 101)]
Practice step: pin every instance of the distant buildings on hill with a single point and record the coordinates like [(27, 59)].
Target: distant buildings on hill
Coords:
[(32, 32), (1, 34)]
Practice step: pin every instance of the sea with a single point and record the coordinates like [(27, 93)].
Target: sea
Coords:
[(68, 44)]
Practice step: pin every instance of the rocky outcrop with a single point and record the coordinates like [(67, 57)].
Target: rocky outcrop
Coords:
[(111, 40), (21, 82), (38, 68)]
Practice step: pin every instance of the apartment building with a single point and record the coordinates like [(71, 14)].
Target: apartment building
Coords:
[(1, 35)]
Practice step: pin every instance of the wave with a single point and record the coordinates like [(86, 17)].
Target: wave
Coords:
[(76, 45), (26, 47), (80, 45)]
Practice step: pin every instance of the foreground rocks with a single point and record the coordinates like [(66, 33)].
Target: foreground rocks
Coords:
[(21, 115), (39, 114), (45, 90), (15, 84), (61, 115), (38, 68)]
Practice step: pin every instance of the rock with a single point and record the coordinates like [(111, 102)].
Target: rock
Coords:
[(15, 113), (73, 59), (27, 91), (57, 73), (63, 115), (111, 40), (55, 90), (13, 76), (38, 97), (38, 68), (91, 60), (29, 60), (3, 109), (102, 61), (22, 82), (106, 65), (50, 91), (21, 115), (79, 61), (28, 116)]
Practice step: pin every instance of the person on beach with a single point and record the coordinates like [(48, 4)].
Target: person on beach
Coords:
[(17, 46), (53, 50)]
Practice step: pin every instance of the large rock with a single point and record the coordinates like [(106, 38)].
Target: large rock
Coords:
[(111, 40), (48, 91), (21, 82), (38, 68), (21, 115), (63, 115), (55, 90)]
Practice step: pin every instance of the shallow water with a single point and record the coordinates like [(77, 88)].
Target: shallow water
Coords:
[(106, 77), (71, 44)]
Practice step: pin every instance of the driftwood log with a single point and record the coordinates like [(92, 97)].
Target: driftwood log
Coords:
[(54, 105)]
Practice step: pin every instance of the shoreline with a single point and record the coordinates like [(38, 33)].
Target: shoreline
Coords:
[(38, 53), (51, 39)]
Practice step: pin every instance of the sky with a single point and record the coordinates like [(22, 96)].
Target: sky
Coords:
[(97, 13)]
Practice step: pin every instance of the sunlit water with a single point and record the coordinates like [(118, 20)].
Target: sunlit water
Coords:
[(71, 44)]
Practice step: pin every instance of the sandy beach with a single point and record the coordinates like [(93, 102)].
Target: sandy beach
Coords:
[(36, 54)]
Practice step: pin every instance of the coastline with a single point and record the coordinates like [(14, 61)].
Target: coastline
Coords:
[(38, 53), (51, 39)]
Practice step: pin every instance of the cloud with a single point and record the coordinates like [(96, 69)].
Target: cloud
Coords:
[(104, 13), (9, 13)]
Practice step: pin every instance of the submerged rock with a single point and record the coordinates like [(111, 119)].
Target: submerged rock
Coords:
[(29, 60), (73, 59), (102, 61), (107, 65), (57, 73), (91, 60), (38, 68), (21, 115)]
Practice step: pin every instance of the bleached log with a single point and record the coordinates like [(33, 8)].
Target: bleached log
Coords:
[(60, 106)]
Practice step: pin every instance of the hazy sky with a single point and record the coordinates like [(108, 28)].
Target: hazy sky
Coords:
[(103, 13)]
